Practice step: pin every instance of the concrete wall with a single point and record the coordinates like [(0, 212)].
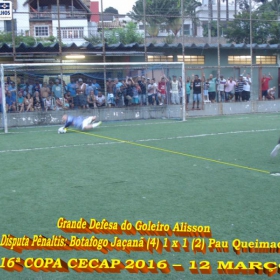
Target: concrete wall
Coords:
[(145, 112)]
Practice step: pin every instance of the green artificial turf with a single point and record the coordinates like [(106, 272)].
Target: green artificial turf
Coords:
[(205, 171)]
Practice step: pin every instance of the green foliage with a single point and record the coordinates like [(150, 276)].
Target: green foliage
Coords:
[(52, 39), (111, 10), (213, 27), (7, 38), (153, 30), (175, 25), (169, 39), (94, 39), (163, 11), (126, 35), (264, 29)]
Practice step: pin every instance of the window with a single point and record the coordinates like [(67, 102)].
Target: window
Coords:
[(268, 59), (160, 58), (239, 59), (41, 31), (8, 25), (72, 32), (187, 29), (191, 59)]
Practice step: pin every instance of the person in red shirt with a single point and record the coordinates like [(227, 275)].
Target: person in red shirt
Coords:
[(265, 84), (162, 89)]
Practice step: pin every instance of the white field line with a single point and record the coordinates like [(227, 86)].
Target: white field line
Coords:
[(134, 124), (103, 126), (141, 140)]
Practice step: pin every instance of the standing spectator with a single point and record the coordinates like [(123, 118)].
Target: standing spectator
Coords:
[(81, 94), (12, 88), (239, 88), (175, 90), (212, 88), (22, 84), (206, 89), (180, 89), (136, 89), (143, 93), (28, 87), (36, 87), (97, 87), (57, 89), (265, 85), (110, 94), (155, 92), (246, 88), (229, 89), (117, 90), (221, 88), (71, 87), (89, 87), (150, 91), (196, 92), (162, 89), (188, 91), (129, 91)]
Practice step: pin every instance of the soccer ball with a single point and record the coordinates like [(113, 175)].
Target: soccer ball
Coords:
[(61, 130)]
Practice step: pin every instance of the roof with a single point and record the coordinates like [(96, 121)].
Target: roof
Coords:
[(81, 3), (7, 48)]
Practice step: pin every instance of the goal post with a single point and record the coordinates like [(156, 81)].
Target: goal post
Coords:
[(88, 71)]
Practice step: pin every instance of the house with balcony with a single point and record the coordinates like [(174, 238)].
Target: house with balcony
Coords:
[(72, 16), (42, 18)]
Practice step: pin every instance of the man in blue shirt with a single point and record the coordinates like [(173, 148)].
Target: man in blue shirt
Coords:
[(72, 86), (96, 86), (81, 123)]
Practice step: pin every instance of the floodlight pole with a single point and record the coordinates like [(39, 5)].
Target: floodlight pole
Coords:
[(103, 49), (251, 51), (218, 41), (5, 122), (183, 65), (145, 29), (60, 50)]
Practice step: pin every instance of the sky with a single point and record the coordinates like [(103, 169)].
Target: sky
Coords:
[(123, 6)]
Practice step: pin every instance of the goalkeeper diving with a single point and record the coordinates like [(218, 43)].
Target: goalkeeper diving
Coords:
[(81, 123)]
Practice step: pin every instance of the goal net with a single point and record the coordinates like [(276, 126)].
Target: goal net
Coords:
[(123, 90)]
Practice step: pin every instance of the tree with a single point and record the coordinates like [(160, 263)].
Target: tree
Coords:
[(265, 28), (111, 10), (167, 12), (126, 35)]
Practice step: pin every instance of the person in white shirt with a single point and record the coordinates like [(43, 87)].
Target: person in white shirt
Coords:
[(246, 88), (175, 91), (221, 88), (229, 89)]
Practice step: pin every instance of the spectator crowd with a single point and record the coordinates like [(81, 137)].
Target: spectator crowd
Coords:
[(78, 94)]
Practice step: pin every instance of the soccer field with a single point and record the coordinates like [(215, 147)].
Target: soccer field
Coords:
[(212, 172)]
